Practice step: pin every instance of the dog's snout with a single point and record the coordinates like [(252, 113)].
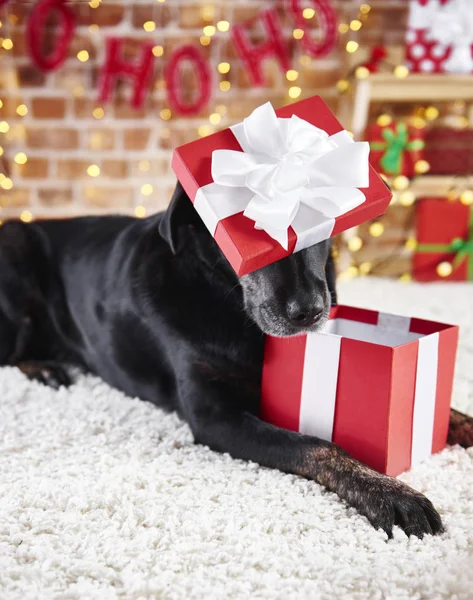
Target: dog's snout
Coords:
[(303, 315)]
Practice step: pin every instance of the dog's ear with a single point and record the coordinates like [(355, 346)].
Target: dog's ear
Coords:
[(173, 225), (331, 277)]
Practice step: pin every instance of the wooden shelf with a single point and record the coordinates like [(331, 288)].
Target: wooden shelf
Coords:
[(437, 185), (417, 87)]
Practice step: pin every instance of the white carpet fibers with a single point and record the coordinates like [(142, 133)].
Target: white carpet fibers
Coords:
[(103, 497)]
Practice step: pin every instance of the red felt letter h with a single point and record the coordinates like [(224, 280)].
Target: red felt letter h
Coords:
[(115, 66), (253, 56)]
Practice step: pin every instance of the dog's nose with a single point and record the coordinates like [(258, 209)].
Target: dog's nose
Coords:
[(303, 315)]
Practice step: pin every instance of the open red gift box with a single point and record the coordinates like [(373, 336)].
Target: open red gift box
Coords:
[(248, 248), (376, 384)]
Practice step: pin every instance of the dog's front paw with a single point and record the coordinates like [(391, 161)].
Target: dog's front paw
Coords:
[(387, 502), (460, 430), (48, 373)]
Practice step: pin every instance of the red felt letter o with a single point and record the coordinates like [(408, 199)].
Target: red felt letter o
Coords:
[(34, 29), (203, 75)]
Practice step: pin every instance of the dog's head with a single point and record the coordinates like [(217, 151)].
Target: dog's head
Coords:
[(294, 295), (289, 297)]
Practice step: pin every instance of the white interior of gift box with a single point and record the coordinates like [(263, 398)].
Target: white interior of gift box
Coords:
[(383, 335)]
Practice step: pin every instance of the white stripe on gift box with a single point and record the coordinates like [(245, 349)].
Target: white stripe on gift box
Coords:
[(321, 361), (321, 365), (425, 396)]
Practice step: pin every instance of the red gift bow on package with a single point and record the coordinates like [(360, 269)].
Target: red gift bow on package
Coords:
[(288, 168)]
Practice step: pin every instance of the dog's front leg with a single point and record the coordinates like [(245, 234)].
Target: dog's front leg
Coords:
[(218, 419)]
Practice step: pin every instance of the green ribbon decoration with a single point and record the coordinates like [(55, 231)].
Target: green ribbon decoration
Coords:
[(463, 249), (396, 143)]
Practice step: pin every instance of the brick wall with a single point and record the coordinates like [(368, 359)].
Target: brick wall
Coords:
[(62, 138)]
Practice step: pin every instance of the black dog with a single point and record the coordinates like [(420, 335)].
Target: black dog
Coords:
[(153, 307)]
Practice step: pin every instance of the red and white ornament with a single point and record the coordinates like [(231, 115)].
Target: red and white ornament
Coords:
[(440, 36)]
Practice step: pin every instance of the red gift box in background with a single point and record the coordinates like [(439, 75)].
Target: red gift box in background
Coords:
[(444, 237), (449, 151), (439, 36), (395, 148), (245, 247), (378, 385)]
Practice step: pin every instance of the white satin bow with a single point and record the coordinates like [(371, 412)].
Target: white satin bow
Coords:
[(289, 162)]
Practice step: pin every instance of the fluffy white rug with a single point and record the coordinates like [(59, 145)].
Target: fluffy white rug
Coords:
[(104, 496)]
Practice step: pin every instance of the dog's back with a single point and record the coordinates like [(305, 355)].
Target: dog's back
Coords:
[(68, 294)]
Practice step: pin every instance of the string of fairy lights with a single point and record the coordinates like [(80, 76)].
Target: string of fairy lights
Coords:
[(213, 31)]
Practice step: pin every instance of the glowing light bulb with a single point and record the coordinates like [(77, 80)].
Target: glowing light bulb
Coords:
[(83, 55), (401, 71), (204, 130), (294, 92), (308, 13), (298, 34), (343, 85), (376, 229), (384, 120), (209, 30), (466, 197), (355, 243), (407, 198), (147, 189), (352, 46), (422, 166), (292, 75), (140, 211), (401, 182), (444, 269), (20, 158), (158, 51), (431, 113), (362, 73), (93, 171), (22, 110), (224, 67), (6, 183), (26, 216), (149, 26), (223, 26)]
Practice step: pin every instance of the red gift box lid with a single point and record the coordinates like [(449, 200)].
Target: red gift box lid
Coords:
[(245, 247)]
